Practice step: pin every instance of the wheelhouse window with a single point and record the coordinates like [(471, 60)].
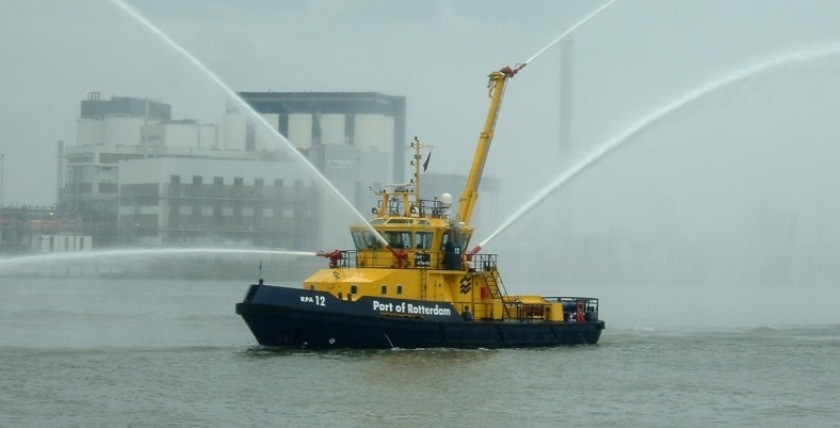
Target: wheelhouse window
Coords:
[(365, 240), (398, 239), (424, 240), (445, 241), (462, 241)]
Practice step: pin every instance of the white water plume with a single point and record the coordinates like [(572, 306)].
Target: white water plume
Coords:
[(571, 30), (139, 253), (655, 117), (246, 107)]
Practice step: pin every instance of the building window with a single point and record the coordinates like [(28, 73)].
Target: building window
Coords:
[(278, 183), (197, 179), (258, 182), (109, 158), (107, 187), (175, 179), (237, 181), (218, 181)]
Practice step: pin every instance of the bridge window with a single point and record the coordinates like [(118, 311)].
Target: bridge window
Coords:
[(465, 241), (365, 240), (354, 289), (462, 241), (359, 240), (399, 288), (384, 289), (445, 241), (424, 240), (400, 239)]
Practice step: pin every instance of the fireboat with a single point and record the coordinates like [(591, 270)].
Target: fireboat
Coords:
[(410, 283)]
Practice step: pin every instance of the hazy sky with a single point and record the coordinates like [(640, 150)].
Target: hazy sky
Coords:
[(766, 145)]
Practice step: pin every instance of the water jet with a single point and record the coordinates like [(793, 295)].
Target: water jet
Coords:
[(285, 143), (689, 98)]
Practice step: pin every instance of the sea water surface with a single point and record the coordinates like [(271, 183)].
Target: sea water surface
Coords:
[(128, 352)]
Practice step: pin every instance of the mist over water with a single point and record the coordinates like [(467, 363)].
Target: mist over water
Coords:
[(711, 237), (139, 254), (647, 265), (239, 265)]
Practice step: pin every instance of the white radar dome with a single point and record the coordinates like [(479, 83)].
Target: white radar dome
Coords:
[(445, 200)]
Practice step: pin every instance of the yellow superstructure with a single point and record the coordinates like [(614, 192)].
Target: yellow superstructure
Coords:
[(425, 257)]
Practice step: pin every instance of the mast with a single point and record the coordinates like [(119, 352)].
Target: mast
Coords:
[(416, 163), (496, 87)]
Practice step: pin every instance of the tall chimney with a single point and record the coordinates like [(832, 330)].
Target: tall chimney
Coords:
[(60, 171)]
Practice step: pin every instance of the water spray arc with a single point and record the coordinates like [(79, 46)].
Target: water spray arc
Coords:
[(286, 144), (471, 191), (134, 253), (655, 117), (571, 30)]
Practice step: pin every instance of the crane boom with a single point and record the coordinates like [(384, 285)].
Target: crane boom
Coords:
[(496, 87)]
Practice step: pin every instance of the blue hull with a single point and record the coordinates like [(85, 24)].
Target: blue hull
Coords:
[(282, 316)]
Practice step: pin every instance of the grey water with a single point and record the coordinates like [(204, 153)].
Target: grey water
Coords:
[(632, 132), (95, 352)]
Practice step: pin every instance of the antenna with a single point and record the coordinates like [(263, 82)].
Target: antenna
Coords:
[(261, 278)]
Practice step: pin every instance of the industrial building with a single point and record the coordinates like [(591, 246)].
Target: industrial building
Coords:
[(196, 201), (357, 140), (137, 177)]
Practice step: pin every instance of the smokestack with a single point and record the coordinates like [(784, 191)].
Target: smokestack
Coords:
[(60, 171)]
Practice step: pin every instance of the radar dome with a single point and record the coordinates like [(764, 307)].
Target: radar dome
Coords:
[(445, 200)]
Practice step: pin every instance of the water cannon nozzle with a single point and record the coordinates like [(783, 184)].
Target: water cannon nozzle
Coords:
[(510, 72)]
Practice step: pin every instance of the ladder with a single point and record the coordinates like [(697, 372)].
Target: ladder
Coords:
[(493, 281), (423, 274)]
